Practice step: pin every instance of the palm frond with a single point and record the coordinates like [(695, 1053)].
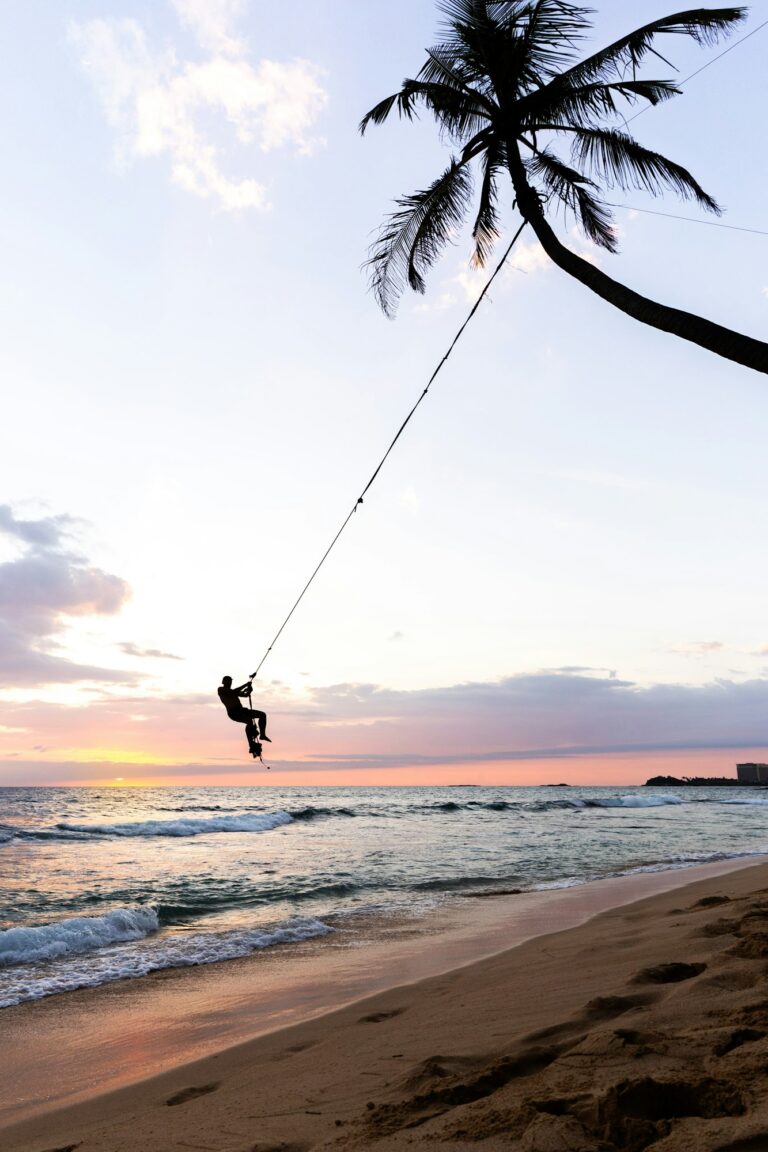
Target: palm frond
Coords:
[(414, 236), (584, 104), (471, 39), (469, 14), (402, 101), (704, 25), (575, 191), (595, 219), (485, 230), (447, 64), (450, 64), (621, 161), (549, 30), (458, 113), (461, 109)]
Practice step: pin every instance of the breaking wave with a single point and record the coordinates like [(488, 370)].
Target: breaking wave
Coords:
[(263, 822), (71, 937), (659, 800)]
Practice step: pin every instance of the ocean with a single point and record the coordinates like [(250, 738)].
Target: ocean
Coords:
[(98, 885)]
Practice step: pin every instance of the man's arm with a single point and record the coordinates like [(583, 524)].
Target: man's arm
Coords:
[(244, 689)]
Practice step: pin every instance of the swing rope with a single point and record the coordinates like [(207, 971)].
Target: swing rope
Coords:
[(397, 436)]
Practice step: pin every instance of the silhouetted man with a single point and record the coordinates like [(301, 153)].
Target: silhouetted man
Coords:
[(230, 698)]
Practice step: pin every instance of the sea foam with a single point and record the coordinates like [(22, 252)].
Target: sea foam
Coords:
[(123, 961), (657, 800)]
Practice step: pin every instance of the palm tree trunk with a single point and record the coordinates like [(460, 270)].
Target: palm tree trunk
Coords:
[(714, 337)]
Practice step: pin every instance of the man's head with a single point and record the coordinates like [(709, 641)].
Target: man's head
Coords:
[(226, 681)]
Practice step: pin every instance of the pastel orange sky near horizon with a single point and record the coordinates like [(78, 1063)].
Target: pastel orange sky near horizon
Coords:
[(589, 771)]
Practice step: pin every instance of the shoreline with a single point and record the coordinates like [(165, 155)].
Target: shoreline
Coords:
[(93, 1047)]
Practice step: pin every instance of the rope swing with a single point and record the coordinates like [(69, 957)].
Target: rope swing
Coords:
[(395, 439)]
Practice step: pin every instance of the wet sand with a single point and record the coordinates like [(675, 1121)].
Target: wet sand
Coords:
[(645, 1025)]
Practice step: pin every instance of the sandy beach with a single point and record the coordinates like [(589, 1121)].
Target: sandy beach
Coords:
[(644, 1025)]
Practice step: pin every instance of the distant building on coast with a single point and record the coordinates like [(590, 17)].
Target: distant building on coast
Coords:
[(752, 773)]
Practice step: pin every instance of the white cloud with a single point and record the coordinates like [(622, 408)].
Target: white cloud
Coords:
[(409, 498), (765, 292), (213, 23), (159, 105), (528, 258)]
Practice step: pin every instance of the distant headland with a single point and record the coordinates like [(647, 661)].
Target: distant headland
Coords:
[(746, 774)]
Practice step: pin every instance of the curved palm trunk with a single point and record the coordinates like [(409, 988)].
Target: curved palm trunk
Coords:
[(714, 337)]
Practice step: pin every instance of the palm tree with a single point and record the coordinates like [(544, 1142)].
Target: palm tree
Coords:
[(505, 87)]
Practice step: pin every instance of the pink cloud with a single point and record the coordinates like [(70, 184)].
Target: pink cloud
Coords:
[(522, 725), (40, 590)]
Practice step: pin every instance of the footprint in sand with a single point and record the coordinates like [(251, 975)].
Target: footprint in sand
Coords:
[(191, 1093), (738, 1039), (607, 1007), (721, 927), (377, 1017), (711, 902), (672, 973)]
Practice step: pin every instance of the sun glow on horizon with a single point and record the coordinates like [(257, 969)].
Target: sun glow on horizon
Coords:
[(119, 756)]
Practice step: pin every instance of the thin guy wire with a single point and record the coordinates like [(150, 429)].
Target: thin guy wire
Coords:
[(689, 219), (397, 436), (704, 67)]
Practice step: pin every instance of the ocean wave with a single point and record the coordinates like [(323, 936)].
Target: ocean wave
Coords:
[(561, 803), (458, 883), (311, 813), (263, 822), (127, 961), (579, 803), (467, 806), (80, 934), (200, 808), (177, 911), (688, 860), (57, 833)]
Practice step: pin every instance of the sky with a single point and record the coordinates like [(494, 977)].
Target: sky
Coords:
[(559, 574)]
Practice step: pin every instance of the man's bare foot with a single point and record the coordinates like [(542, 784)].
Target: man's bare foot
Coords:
[(265, 738)]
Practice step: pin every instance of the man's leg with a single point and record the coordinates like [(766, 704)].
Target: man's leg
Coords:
[(250, 731), (262, 719)]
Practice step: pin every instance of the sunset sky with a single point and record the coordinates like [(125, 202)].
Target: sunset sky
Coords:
[(560, 573)]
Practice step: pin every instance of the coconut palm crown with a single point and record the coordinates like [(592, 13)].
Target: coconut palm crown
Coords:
[(508, 90)]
